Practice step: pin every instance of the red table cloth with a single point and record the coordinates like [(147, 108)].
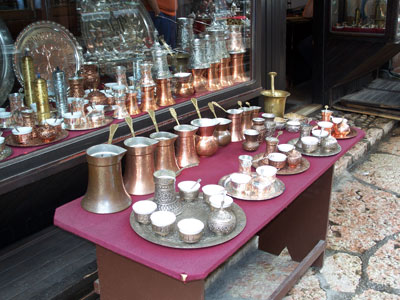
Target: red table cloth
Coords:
[(114, 232)]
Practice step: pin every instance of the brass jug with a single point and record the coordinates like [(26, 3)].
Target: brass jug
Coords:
[(186, 154), (139, 165), (105, 192), (165, 152)]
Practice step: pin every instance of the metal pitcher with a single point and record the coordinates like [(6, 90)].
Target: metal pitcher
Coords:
[(139, 165), (206, 142), (165, 152), (105, 192), (235, 128), (165, 195), (186, 154)]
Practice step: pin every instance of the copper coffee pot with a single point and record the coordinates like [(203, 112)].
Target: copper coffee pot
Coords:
[(163, 91), (148, 100), (184, 84), (139, 165), (165, 151), (186, 154), (206, 142), (224, 73), (199, 80), (212, 78), (222, 130), (238, 74), (132, 102), (235, 128), (246, 118), (105, 192)]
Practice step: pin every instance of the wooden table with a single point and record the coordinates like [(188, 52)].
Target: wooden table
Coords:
[(132, 268)]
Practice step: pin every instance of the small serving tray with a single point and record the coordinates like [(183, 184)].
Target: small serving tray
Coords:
[(302, 167), (196, 209), (277, 189), (36, 142), (107, 120), (353, 133), (317, 153)]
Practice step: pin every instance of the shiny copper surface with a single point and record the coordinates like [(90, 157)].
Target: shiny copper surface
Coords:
[(224, 73), (28, 120), (222, 132), (186, 154), (326, 115), (251, 142), (132, 103), (163, 92), (76, 89), (46, 133), (206, 142), (148, 100), (165, 151), (246, 119), (199, 80), (212, 78), (105, 192), (184, 84), (258, 124), (235, 128), (139, 165), (97, 98), (91, 77), (23, 139), (238, 74)]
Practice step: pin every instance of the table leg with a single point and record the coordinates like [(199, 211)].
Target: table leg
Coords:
[(123, 279), (302, 224)]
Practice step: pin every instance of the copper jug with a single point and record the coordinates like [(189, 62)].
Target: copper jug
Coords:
[(132, 102), (183, 84), (235, 128), (105, 192), (224, 73), (165, 152), (163, 92), (206, 142), (213, 83), (238, 74), (199, 80), (139, 165), (222, 132), (246, 118), (186, 154)]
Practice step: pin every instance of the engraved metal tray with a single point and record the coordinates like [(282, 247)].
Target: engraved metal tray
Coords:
[(50, 45), (197, 209), (36, 142), (5, 153), (277, 189), (353, 133), (302, 167), (107, 120), (317, 153)]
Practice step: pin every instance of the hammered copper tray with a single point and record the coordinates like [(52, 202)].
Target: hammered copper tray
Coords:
[(197, 209), (277, 189), (317, 153), (107, 120), (5, 153), (36, 142), (302, 167), (353, 133)]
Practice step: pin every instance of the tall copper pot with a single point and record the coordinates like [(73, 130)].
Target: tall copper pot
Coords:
[(246, 118), (105, 192), (165, 151), (186, 154), (139, 165), (235, 128), (206, 142)]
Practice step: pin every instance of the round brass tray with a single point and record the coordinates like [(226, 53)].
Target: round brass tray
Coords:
[(107, 120), (302, 167), (277, 189), (353, 133), (197, 209), (5, 153), (36, 142), (317, 153)]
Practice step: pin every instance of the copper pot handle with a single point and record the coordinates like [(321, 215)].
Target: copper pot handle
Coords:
[(196, 106), (128, 121), (211, 106), (174, 115), (113, 129), (152, 115)]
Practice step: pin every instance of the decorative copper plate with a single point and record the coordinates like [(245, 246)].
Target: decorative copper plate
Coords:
[(196, 209), (302, 167), (36, 142), (5, 153), (317, 153), (277, 189), (107, 120), (50, 45)]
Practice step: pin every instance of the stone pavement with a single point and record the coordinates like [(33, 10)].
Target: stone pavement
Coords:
[(362, 260)]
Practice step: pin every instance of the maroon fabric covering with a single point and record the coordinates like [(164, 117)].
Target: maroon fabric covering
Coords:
[(114, 232)]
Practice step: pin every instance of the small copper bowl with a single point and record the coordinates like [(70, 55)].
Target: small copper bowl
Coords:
[(277, 160), (22, 135)]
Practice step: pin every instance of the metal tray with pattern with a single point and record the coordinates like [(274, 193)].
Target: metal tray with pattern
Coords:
[(107, 120), (197, 209), (277, 189), (302, 167), (319, 152), (5, 153), (36, 142)]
